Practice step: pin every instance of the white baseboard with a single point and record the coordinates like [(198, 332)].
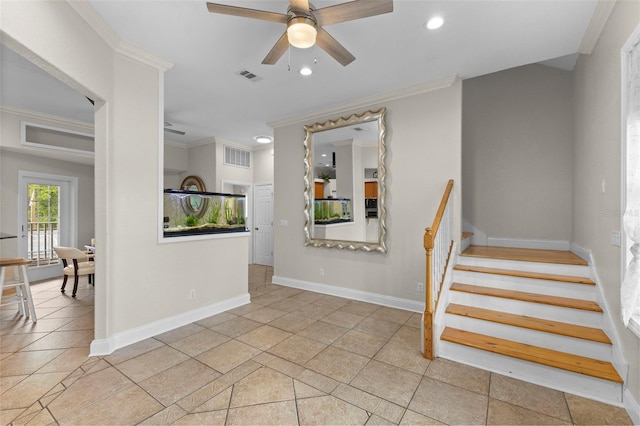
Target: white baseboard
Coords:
[(632, 407), (531, 244), (347, 293), (580, 251), (100, 347)]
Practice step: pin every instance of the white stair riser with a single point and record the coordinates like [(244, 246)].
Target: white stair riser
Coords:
[(537, 310), (530, 285), (553, 341), (516, 265), (565, 381)]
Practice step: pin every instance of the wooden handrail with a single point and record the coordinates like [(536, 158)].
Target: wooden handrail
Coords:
[(429, 243)]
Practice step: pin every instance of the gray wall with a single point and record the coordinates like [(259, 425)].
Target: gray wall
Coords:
[(597, 156), (517, 129)]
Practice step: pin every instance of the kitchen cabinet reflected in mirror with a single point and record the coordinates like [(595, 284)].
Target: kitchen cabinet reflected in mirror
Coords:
[(344, 183)]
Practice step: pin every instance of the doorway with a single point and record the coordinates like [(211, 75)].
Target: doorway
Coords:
[(47, 217)]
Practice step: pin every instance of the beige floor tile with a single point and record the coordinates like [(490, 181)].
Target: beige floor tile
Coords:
[(43, 417), (332, 301), (70, 311), (357, 397), (88, 390), (361, 343), (129, 405), (244, 309), (265, 315), (314, 311), (165, 417), (338, 364), (464, 376), (276, 413), (413, 418), (403, 356), (343, 319), (287, 292), (236, 327), (8, 382), (587, 412), (43, 325), (523, 394), (62, 340), (502, 413), (329, 410), (7, 416), (292, 322), (67, 361), (376, 420), (179, 333), (29, 390), (131, 351), (297, 349), (307, 296), (151, 363), (15, 342), (323, 332), (288, 305), (27, 362), (83, 322), (228, 356), (378, 327), (199, 342), (266, 299), (392, 314), (289, 368), (214, 320), (364, 309), (303, 390), (264, 337), (219, 402), (390, 411), (442, 401), (398, 384), (262, 386), (178, 381), (318, 381), (207, 418)]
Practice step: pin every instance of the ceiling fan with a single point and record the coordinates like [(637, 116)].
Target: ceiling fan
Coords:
[(305, 24), (167, 128)]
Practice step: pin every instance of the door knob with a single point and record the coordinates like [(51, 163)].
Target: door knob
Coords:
[(256, 229)]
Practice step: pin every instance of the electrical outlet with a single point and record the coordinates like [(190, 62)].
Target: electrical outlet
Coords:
[(322, 272), (192, 294), (420, 287), (615, 238)]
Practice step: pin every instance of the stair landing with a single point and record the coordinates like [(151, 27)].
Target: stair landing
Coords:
[(527, 255)]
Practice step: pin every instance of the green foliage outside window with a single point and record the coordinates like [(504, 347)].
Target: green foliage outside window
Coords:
[(43, 203)]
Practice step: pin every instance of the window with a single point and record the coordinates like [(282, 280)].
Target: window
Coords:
[(630, 289)]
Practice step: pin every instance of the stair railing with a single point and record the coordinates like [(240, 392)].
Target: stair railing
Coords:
[(437, 244)]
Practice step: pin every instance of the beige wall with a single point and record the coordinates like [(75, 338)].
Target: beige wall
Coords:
[(517, 128), (423, 143), (596, 157), (128, 129), (202, 163), (263, 164)]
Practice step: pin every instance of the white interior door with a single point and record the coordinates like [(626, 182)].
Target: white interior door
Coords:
[(47, 217), (263, 225)]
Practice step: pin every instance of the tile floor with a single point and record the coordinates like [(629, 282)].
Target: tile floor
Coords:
[(289, 357)]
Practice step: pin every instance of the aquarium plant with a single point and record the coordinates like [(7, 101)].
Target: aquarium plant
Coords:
[(215, 211), (191, 220)]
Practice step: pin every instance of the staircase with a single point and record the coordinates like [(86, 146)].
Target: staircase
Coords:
[(533, 315)]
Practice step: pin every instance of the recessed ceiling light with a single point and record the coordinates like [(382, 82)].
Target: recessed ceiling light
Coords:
[(263, 139), (435, 23), (324, 155), (305, 71)]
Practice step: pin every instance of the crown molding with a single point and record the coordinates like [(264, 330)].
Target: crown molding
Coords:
[(430, 86), (596, 26), (38, 116), (100, 26), (176, 144)]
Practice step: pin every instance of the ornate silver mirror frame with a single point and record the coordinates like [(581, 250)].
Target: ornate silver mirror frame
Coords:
[(311, 236)]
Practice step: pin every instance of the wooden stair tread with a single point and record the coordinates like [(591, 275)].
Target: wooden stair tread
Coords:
[(575, 363), (526, 274), (566, 302), (529, 255), (523, 321), (466, 235)]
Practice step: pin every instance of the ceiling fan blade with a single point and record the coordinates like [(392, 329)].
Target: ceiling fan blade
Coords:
[(352, 10), (333, 48), (177, 132), (277, 50), (299, 5), (247, 13)]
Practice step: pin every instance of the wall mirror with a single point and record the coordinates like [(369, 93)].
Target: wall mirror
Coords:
[(194, 204), (345, 189)]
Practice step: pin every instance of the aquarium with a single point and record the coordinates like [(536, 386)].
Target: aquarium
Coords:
[(201, 213), (332, 210)]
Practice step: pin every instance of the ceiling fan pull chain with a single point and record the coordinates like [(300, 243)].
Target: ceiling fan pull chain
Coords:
[(289, 58)]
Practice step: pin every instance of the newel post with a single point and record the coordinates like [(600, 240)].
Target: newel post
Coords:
[(428, 306)]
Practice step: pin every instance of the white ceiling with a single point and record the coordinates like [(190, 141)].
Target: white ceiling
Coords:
[(206, 98)]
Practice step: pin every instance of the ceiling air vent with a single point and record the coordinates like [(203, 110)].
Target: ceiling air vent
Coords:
[(237, 157), (248, 75)]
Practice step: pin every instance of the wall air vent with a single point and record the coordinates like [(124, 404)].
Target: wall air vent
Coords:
[(41, 136), (237, 157), (248, 75)]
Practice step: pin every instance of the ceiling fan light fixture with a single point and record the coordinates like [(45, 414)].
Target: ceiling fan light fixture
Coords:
[(306, 71), (301, 32), (435, 23)]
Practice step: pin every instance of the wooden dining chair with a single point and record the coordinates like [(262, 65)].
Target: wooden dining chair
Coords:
[(76, 263)]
